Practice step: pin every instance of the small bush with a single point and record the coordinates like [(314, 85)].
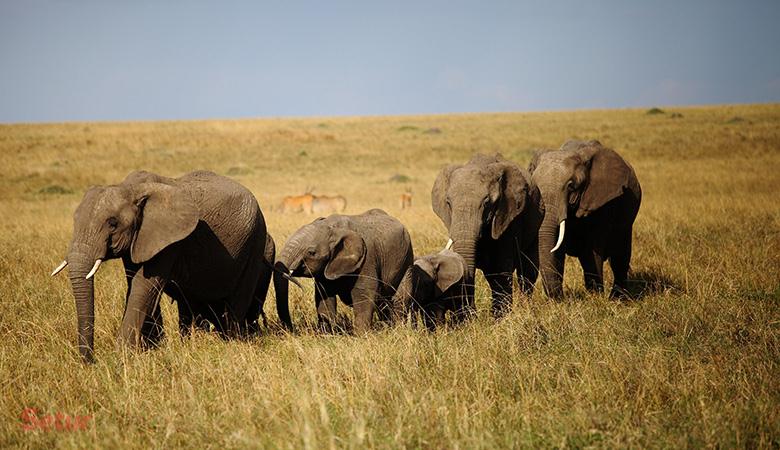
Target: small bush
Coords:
[(408, 128), (736, 119), (55, 189), (653, 111), (676, 116), (400, 178)]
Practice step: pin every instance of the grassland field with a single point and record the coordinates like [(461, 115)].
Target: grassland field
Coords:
[(692, 361)]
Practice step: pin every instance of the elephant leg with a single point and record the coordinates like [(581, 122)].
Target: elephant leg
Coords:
[(465, 308), (384, 310), (326, 308), (429, 318), (186, 317), (619, 261), (364, 305), (241, 307), (142, 319), (527, 268), (152, 331), (527, 274), (593, 271), (501, 287)]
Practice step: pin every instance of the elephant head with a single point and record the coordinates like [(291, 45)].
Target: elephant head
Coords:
[(573, 182), (427, 280), (137, 218), (480, 198), (321, 249)]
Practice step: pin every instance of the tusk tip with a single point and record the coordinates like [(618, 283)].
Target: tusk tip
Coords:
[(59, 268)]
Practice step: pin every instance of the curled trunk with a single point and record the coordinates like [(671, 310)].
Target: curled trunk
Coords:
[(288, 260)]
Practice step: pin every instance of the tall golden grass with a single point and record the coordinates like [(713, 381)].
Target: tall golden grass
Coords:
[(693, 361)]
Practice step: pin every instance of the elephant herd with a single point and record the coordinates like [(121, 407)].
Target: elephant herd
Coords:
[(202, 240)]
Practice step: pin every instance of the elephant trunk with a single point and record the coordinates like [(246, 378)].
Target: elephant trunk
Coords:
[(84, 293), (465, 232), (281, 288), (551, 257), (289, 260)]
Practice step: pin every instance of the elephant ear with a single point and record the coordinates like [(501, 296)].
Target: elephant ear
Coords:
[(167, 214), (449, 269), (439, 194), (511, 202), (348, 253), (609, 176)]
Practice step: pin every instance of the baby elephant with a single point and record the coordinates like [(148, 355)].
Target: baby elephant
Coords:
[(433, 285), (361, 259)]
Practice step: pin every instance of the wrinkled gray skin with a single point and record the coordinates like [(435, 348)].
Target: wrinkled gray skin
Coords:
[(200, 238), (492, 213), (430, 287), (359, 258), (596, 192)]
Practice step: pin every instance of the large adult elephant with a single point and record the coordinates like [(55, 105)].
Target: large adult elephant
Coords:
[(591, 197), (491, 211), (200, 238), (359, 258)]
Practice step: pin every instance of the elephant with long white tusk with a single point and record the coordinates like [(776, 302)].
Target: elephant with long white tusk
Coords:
[(591, 197), (200, 238)]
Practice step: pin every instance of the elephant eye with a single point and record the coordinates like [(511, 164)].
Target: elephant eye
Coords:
[(449, 205), (112, 222), (570, 186)]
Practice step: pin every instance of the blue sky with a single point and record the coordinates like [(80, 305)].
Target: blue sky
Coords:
[(68, 60)]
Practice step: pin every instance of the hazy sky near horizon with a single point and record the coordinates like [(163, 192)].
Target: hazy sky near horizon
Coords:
[(147, 60)]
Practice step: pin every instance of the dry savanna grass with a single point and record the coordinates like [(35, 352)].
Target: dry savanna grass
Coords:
[(693, 361)]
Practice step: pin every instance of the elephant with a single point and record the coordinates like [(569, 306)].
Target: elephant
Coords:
[(200, 238), (359, 258), (431, 287), (491, 211), (590, 197)]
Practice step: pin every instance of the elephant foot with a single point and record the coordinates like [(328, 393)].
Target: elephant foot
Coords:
[(619, 293)]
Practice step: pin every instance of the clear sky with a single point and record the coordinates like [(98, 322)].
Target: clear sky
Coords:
[(70, 60)]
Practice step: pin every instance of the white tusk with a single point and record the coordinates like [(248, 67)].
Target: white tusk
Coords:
[(560, 236), (94, 268), (59, 268), (449, 245)]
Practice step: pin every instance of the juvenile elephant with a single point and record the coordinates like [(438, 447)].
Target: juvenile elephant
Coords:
[(359, 258), (492, 213), (200, 238), (591, 197), (431, 287)]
